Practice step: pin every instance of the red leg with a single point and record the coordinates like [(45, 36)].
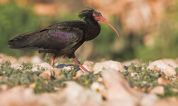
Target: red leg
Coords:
[(53, 60), (52, 64), (79, 64)]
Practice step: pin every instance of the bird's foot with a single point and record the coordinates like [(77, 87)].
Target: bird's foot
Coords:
[(83, 69)]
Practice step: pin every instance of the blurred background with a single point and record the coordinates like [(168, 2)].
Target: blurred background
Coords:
[(148, 28)]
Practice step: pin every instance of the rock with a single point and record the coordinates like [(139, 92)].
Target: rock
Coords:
[(67, 67), (45, 65), (4, 58), (100, 79), (148, 100), (100, 88), (36, 60), (108, 65), (85, 97), (41, 66), (48, 73), (157, 90), (118, 91), (128, 63), (27, 59), (16, 66), (17, 97), (167, 102), (167, 66), (96, 86), (24, 59), (162, 81), (3, 87), (73, 95)]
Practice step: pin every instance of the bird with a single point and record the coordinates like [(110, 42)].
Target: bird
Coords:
[(63, 38)]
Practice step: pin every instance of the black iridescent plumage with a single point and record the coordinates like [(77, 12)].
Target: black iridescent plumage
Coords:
[(61, 38)]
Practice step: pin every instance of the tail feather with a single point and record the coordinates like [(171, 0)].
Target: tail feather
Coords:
[(19, 42)]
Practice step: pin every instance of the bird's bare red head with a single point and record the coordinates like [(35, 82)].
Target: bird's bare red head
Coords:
[(97, 16)]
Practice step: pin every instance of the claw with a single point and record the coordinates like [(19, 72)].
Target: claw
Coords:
[(77, 62)]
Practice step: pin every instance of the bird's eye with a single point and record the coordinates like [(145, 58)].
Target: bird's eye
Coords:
[(97, 14)]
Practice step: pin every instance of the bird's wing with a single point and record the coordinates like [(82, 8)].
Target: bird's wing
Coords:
[(58, 36)]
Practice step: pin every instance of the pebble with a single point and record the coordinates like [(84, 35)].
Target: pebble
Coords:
[(162, 81), (167, 66), (108, 65), (158, 90)]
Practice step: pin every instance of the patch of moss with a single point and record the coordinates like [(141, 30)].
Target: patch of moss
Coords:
[(87, 79), (177, 70), (27, 78), (14, 77), (141, 77), (170, 90), (43, 85)]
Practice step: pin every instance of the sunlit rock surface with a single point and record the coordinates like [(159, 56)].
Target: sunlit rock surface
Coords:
[(111, 87), (108, 65), (167, 66)]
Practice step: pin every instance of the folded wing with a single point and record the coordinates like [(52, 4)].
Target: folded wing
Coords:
[(56, 37)]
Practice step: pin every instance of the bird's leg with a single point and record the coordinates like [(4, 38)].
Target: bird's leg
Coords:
[(53, 60), (52, 64), (77, 62)]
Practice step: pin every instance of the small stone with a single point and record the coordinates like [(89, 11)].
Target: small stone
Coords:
[(57, 72), (134, 74), (68, 68), (108, 65), (16, 66), (24, 59), (44, 66), (4, 58), (18, 96), (100, 79), (171, 101), (118, 90), (167, 66), (85, 96), (46, 74), (128, 63), (157, 90), (3, 87), (36, 60), (162, 81), (33, 85), (148, 100)]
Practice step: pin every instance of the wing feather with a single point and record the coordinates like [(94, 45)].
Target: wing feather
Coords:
[(58, 36)]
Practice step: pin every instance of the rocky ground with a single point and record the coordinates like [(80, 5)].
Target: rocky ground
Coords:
[(27, 81)]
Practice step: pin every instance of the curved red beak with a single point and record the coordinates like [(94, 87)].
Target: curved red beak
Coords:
[(103, 20)]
